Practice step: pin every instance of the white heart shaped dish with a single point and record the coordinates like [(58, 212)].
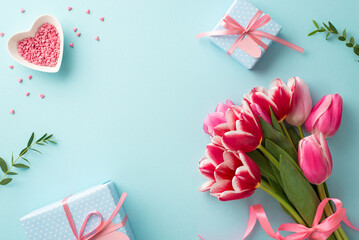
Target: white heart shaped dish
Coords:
[(12, 45)]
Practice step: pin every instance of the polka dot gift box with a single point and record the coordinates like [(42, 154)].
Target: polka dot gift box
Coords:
[(79, 217), (245, 33)]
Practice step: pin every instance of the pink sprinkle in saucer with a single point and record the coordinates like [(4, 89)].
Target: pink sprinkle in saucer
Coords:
[(27, 94), (88, 11), (11, 67), (75, 29), (12, 111), (69, 8), (1, 34), (78, 34), (42, 95), (22, 10), (102, 19), (20, 80), (29, 77), (71, 45), (97, 38)]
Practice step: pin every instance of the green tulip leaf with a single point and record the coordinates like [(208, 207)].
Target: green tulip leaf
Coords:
[(275, 123), (263, 164), (277, 151), (278, 138), (294, 136), (298, 190)]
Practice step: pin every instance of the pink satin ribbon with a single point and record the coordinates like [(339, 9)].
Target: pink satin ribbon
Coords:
[(318, 231), (234, 28), (103, 228)]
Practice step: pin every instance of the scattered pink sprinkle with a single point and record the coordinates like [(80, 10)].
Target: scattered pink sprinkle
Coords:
[(71, 45), (75, 29), (43, 49), (12, 111), (29, 77), (27, 94), (69, 8), (42, 95), (88, 11), (78, 34), (102, 19), (22, 10), (20, 80), (11, 66), (1, 34), (97, 38)]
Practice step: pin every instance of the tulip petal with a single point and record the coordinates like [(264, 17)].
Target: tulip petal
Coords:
[(206, 168), (214, 154), (206, 186), (221, 186), (232, 195), (238, 140)]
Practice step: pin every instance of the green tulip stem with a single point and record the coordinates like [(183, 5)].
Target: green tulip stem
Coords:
[(269, 156), (293, 212), (287, 135), (300, 130), (339, 233)]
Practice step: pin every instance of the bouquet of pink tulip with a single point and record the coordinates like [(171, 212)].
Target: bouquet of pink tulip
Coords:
[(251, 147)]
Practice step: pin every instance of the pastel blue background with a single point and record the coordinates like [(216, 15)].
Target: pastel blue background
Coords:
[(130, 108)]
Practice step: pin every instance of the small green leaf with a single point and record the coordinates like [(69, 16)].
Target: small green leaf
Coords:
[(26, 160), (344, 34), (327, 36), (52, 142), (341, 38), (38, 140), (12, 158), (321, 30), (356, 49), (23, 151), (40, 144), (333, 28), (327, 27), (315, 24), (31, 139), (352, 41), (298, 190), (12, 173), (312, 33), (349, 45), (3, 165), (5, 181), (20, 165), (48, 137), (33, 149)]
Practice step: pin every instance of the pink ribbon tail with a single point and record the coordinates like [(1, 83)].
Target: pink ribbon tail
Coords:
[(232, 27), (102, 228)]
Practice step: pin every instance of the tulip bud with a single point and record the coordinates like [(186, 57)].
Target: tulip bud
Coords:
[(314, 158), (216, 118), (301, 104), (326, 115)]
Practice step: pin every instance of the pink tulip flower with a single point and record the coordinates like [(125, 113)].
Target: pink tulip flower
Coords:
[(326, 115), (278, 97), (208, 164), (236, 178), (217, 117), (301, 104), (245, 130), (314, 158)]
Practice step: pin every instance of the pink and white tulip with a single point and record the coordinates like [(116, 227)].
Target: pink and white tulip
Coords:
[(314, 158), (245, 132), (216, 118), (278, 97), (236, 178), (301, 103), (326, 115)]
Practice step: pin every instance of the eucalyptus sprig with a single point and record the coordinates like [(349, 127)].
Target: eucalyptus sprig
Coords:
[(330, 29), (15, 163)]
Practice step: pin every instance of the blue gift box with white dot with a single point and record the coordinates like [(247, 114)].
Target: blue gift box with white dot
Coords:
[(51, 223), (243, 11)]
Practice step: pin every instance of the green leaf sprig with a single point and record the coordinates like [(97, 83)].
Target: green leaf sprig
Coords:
[(330, 29), (7, 170)]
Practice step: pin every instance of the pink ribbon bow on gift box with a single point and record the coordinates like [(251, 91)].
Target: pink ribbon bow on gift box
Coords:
[(103, 228), (234, 28)]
